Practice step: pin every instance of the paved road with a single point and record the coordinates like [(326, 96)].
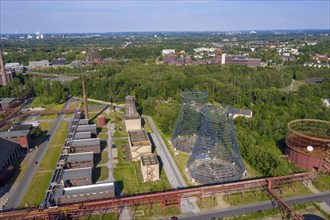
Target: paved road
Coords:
[(109, 162), (170, 168), (254, 207), (17, 192)]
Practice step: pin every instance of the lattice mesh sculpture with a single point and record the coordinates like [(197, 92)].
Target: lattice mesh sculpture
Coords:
[(215, 155), (189, 120)]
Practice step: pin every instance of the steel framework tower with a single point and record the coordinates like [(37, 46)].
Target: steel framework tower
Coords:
[(189, 120), (215, 155)]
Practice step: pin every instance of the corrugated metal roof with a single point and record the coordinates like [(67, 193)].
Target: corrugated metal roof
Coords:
[(86, 142), (80, 156), (77, 173), (6, 149)]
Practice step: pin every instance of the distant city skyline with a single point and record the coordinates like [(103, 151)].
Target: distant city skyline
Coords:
[(134, 16)]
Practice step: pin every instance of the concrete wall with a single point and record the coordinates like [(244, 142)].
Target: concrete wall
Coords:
[(150, 172), (132, 124)]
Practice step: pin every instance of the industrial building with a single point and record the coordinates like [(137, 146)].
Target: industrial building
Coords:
[(235, 112), (84, 193), (35, 64), (132, 118), (22, 137), (80, 160), (84, 145), (59, 61), (242, 60), (9, 152), (308, 144), (83, 135), (149, 168), (6, 103), (87, 128), (6, 76), (77, 177), (139, 144)]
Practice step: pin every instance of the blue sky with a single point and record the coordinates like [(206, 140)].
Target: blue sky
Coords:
[(157, 15)]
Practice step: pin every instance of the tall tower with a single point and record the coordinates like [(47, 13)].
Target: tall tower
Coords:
[(215, 156), (85, 97), (3, 70), (189, 120)]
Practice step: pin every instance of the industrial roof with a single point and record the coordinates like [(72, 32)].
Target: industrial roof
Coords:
[(149, 160), (83, 190), (80, 156), (77, 173), (138, 135), (6, 149), (236, 111), (21, 127), (6, 100), (14, 133), (86, 142)]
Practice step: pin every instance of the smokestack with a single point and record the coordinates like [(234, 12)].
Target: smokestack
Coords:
[(3, 70), (85, 97)]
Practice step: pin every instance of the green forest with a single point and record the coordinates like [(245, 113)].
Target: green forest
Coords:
[(157, 89)]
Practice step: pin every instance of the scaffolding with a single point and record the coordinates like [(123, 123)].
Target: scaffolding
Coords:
[(215, 155), (189, 121)]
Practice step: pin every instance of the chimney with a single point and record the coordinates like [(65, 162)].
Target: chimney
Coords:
[(3, 70), (85, 97)]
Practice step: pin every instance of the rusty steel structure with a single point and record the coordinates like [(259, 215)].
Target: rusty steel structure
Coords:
[(167, 198), (13, 112), (308, 144)]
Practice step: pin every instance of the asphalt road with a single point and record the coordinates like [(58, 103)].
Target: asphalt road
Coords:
[(17, 193), (254, 207), (173, 174)]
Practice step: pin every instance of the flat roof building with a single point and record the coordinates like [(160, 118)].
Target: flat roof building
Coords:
[(242, 60), (80, 160), (84, 193), (77, 177), (149, 168), (6, 103), (132, 118), (139, 143), (21, 137), (84, 145), (83, 135), (35, 64), (87, 128), (9, 152), (234, 112)]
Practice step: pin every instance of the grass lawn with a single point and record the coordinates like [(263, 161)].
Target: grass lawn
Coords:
[(36, 191), (147, 126), (116, 117), (103, 137), (50, 159), (47, 117), (141, 212), (40, 181), (245, 198), (207, 203), (128, 175), (100, 173), (119, 132), (251, 172), (38, 102), (46, 125), (104, 157), (107, 216), (104, 129), (322, 182)]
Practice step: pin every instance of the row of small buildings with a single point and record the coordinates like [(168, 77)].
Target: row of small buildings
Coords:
[(72, 179)]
